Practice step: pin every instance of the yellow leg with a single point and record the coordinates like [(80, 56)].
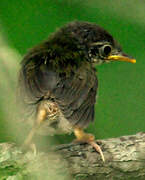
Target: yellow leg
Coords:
[(41, 116), (81, 136)]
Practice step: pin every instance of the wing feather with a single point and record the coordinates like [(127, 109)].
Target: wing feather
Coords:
[(75, 93)]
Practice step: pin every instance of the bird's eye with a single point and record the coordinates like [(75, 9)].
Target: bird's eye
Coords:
[(105, 50)]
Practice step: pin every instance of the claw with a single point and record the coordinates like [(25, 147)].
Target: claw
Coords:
[(89, 139), (98, 149)]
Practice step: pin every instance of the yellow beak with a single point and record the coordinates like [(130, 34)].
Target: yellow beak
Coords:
[(121, 58)]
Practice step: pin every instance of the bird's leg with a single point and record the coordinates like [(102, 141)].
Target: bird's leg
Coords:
[(81, 136), (41, 116)]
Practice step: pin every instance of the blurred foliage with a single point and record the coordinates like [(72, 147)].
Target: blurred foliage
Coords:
[(15, 165), (121, 105)]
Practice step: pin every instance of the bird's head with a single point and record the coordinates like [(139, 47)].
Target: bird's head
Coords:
[(91, 41)]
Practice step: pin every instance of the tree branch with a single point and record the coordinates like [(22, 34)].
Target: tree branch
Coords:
[(125, 159)]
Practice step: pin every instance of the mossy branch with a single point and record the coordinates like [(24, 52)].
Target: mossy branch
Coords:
[(125, 159)]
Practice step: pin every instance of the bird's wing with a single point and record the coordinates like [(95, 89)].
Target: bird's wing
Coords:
[(75, 94)]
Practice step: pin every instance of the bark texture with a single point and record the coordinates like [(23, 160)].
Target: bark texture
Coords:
[(125, 159)]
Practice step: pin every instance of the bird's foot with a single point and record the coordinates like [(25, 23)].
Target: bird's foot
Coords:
[(82, 137), (97, 148)]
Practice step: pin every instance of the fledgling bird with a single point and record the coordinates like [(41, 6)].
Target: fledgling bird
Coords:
[(58, 82)]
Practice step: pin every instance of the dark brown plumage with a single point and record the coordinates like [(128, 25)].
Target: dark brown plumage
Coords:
[(58, 82)]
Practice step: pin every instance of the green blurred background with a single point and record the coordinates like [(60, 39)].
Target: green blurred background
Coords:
[(121, 104)]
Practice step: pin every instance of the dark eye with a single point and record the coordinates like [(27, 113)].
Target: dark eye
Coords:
[(105, 50)]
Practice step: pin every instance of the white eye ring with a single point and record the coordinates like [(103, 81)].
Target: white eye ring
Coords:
[(105, 50)]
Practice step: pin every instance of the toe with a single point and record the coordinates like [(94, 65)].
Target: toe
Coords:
[(98, 149)]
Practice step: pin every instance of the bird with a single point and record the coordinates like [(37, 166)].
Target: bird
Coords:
[(58, 84)]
